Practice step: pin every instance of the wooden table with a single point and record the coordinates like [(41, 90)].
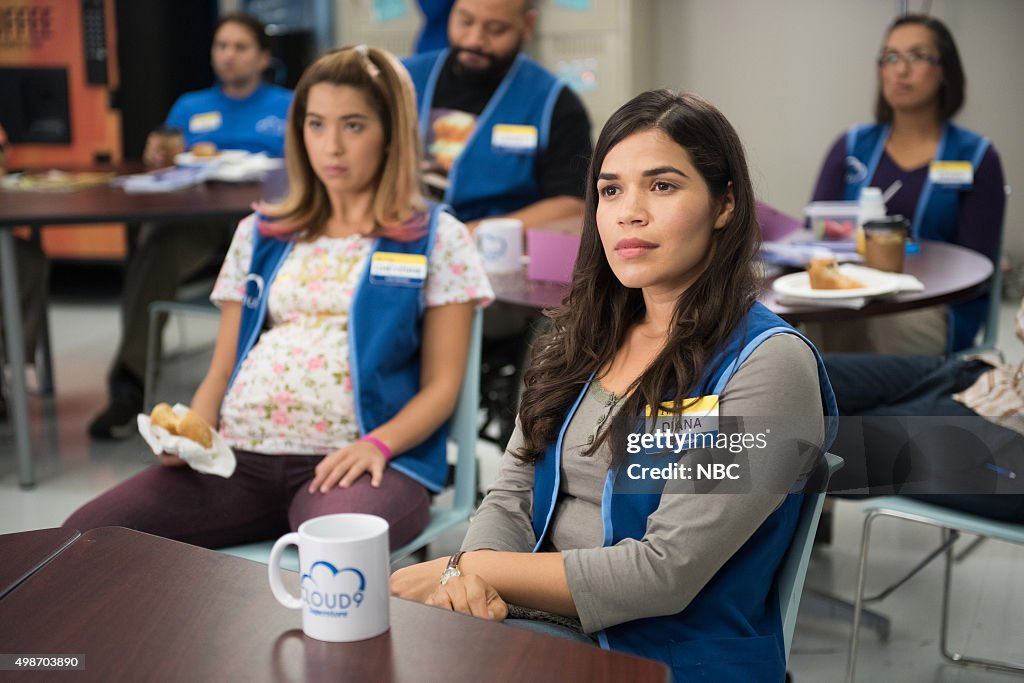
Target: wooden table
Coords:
[(104, 204), (142, 608), (950, 274), (24, 553)]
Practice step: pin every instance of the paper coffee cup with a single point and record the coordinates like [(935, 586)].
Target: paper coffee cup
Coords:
[(344, 564), (500, 243)]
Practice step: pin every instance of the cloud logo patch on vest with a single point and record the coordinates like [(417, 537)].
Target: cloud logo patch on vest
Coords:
[(856, 171), (253, 290)]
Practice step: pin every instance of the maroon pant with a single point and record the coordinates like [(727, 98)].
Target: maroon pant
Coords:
[(265, 498)]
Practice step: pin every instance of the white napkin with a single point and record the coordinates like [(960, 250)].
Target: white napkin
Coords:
[(218, 460), (246, 169)]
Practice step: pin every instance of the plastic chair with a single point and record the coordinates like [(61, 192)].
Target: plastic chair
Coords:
[(794, 565), (462, 430), (197, 304), (952, 523)]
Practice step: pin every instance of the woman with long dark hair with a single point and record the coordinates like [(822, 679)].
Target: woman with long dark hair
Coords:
[(921, 87), (662, 312)]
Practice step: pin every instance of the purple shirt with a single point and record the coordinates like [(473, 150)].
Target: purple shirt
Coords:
[(981, 209)]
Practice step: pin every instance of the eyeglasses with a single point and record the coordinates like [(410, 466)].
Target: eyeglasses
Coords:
[(912, 59)]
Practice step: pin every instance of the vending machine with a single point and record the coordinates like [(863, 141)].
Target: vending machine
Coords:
[(57, 73)]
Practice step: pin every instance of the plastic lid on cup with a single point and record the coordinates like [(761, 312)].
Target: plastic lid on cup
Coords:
[(896, 222)]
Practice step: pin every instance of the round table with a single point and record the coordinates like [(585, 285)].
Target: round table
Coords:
[(950, 274)]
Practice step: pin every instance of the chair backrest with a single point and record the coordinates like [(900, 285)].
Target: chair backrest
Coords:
[(790, 580), (463, 427), (990, 336), (462, 430)]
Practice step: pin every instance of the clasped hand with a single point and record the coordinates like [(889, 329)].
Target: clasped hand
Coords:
[(468, 593), (342, 467)]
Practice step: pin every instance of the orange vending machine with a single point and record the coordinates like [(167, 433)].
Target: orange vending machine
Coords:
[(58, 68)]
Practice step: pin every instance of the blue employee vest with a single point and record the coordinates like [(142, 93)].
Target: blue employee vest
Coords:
[(385, 330), (488, 179), (937, 208), (732, 629)]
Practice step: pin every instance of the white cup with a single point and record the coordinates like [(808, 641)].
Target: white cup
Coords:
[(500, 243), (343, 560)]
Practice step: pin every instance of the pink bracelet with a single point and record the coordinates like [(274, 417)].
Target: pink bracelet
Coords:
[(381, 446)]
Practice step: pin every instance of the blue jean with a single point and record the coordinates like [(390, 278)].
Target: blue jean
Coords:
[(880, 389)]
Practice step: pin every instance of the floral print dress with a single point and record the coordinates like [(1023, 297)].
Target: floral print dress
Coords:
[(293, 393)]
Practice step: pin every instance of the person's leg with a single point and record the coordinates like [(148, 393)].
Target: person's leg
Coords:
[(182, 504), (863, 381), (33, 288), (400, 500), (166, 255)]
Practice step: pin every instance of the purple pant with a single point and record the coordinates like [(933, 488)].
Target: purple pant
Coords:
[(264, 499)]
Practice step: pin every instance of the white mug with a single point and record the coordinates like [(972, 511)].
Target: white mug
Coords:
[(500, 243), (344, 563)]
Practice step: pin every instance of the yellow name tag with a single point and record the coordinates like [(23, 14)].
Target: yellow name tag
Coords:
[(514, 138), (957, 173), (403, 270), (204, 123), (704, 406)]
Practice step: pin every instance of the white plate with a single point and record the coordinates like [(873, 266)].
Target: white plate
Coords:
[(189, 159), (876, 283)]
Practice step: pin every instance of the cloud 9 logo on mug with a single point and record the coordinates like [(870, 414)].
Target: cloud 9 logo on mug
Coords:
[(332, 592)]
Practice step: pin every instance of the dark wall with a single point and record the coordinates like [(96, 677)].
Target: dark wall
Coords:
[(163, 49)]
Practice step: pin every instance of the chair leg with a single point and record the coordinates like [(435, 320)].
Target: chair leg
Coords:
[(956, 657), (858, 596), (151, 361), (44, 356)]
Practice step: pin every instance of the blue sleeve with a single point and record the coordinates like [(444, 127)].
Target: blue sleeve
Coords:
[(980, 216), (831, 184), (177, 117)]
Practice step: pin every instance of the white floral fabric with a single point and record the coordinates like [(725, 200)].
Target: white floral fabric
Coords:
[(293, 392)]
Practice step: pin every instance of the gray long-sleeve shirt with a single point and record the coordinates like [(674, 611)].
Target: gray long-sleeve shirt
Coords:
[(690, 535)]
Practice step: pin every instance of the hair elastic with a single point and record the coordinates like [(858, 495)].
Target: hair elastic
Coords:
[(381, 446)]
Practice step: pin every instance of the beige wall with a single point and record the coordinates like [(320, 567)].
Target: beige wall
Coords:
[(792, 74)]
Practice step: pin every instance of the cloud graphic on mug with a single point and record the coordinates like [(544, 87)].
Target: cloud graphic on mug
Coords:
[(327, 587)]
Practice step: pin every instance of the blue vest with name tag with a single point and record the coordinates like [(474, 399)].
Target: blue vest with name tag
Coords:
[(937, 208), (385, 340), (486, 180), (732, 629)]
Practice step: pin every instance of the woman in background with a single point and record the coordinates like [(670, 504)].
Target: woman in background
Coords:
[(921, 87), (332, 378)]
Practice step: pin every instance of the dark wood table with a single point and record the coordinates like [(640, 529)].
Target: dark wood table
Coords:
[(950, 274), (142, 608), (25, 552), (103, 204)]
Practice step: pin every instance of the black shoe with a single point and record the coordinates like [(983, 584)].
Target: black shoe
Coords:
[(119, 419)]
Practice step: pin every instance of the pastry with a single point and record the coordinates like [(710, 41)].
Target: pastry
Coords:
[(204, 149), (825, 274), (189, 425)]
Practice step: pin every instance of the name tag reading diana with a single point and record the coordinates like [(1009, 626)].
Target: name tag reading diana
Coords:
[(506, 137), (401, 270), (951, 173)]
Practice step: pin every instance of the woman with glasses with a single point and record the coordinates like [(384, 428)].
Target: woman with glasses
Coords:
[(951, 180)]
